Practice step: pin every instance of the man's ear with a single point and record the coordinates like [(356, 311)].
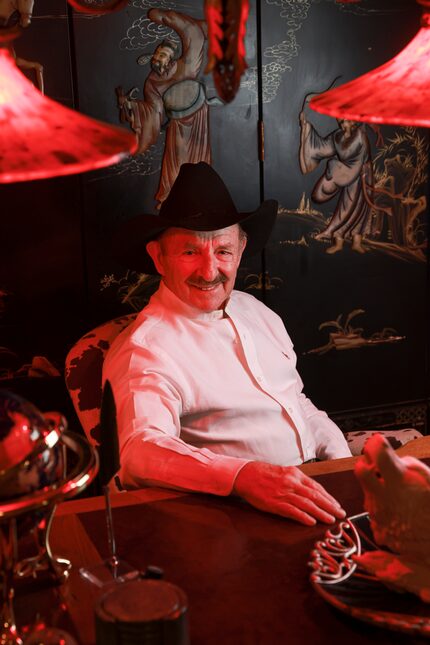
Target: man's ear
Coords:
[(153, 248)]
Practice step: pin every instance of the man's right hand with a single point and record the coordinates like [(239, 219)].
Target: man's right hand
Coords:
[(286, 491)]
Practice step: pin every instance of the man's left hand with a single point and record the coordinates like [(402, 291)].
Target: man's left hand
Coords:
[(287, 491)]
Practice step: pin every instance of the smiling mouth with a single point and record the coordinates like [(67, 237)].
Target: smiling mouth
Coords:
[(210, 287), (206, 286)]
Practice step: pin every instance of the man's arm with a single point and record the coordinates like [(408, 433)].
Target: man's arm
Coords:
[(149, 406), (153, 458), (284, 491)]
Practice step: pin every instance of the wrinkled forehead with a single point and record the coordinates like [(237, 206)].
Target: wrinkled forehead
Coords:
[(175, 235)]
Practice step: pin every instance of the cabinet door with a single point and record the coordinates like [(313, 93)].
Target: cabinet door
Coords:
[(347, 262)]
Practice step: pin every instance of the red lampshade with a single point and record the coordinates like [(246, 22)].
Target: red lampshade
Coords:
[(40, 138), (397, 92)]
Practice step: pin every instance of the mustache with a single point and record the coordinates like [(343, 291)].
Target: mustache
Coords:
[(199, 282)]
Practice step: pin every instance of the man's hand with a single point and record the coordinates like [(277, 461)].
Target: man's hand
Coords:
[(286, 491)]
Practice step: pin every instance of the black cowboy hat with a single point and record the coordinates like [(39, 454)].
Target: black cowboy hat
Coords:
[(198, 201)]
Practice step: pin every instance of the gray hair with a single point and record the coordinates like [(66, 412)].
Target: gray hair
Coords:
[(243, 236)]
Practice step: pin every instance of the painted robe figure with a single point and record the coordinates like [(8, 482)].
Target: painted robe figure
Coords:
[(348, 175), (171, 91)]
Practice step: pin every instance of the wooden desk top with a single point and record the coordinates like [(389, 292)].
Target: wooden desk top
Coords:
[(419, 448), (245, 572)]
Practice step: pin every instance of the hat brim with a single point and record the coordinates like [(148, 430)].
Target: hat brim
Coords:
[(129, 240)]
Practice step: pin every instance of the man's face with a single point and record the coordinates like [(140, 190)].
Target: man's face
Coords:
[(161, 60), (199, 267)]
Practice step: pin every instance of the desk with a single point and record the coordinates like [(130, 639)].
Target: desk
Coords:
[(245, 572)]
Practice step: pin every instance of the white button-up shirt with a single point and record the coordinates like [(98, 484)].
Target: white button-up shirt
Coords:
[(199, 394)]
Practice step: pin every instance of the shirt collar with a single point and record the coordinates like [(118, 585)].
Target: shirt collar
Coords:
[(170, 301)]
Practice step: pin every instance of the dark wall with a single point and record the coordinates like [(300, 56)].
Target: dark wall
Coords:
[(57, 279)]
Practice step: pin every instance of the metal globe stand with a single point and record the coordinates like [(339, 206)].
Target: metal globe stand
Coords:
[(39, 505)]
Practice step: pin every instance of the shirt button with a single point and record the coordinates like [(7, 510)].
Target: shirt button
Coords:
[(259, 379)]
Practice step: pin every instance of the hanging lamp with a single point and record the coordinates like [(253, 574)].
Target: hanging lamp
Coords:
[(396, 93), (40, 138)]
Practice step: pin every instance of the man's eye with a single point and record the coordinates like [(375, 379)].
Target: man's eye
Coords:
[(224, 252), (189, 252)]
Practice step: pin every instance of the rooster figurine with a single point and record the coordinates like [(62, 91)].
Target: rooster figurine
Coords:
[(397, 499)]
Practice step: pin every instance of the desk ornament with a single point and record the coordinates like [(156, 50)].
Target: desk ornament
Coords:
[(142, 612), (376, 566), (41, 464), (112, 569)]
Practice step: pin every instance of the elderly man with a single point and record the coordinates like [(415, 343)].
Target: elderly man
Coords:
[(207, 391)]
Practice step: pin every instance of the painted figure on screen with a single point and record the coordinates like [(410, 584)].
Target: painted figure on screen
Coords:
[(379, 202), (348, 176), (172, 93)]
